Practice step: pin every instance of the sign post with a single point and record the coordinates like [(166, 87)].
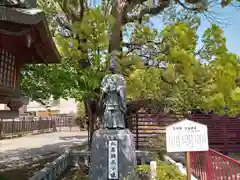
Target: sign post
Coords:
[(187, 136), (188, 165)]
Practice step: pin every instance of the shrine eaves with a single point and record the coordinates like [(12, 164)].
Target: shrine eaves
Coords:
[(24, 39)]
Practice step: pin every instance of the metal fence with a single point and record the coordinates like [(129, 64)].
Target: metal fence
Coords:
[(33, 124), (212, 165), (61, 121), (11, 127)]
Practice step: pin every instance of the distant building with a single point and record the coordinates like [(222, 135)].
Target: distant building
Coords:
[(56, 107)]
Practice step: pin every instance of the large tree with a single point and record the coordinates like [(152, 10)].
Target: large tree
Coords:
[(164, 65)]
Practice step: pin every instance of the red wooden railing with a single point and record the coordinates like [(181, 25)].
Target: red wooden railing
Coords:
[(223, 132), (212, 165)]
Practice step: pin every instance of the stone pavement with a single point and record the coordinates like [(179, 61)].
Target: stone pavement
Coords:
[(17, 152)]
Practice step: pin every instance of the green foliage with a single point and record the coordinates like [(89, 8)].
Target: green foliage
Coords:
[(158, 145), (68, 79), (77, 174), (81, 109), (182, 77), (81, 119), (224, 69), (3, 177), (165, 171), (187, 79)]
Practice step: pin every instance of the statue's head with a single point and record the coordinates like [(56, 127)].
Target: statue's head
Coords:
[(112, 82)]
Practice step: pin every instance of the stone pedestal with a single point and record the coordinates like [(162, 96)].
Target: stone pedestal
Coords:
[(102, 150)]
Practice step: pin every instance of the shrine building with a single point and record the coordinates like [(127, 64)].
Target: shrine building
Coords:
[(24, 39)]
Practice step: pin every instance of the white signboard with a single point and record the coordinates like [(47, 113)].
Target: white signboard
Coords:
[(112, 159), (187, 136)]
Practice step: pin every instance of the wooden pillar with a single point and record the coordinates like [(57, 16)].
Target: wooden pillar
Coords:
[(188, 165)]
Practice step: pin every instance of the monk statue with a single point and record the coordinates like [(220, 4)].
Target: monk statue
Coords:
[(112, 132), (112, 101)]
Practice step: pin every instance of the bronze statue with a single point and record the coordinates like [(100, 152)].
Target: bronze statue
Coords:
[(112, 101), (122, 155)]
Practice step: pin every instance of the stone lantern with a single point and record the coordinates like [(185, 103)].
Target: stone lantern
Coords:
[(24, 39)]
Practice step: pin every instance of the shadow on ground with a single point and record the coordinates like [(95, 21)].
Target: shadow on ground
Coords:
[(25, 172), (22, 163)]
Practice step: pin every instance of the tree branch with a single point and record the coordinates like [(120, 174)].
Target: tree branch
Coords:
[(148, 10), (129, 44), (63, 23), (64, 7), (82, 8), (70, 12), (199, 51), (186, 7)]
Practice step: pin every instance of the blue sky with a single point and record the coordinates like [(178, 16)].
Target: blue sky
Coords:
[(230, 18), (231, 30)]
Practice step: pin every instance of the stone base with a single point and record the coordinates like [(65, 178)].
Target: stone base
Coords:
[(99, 153)]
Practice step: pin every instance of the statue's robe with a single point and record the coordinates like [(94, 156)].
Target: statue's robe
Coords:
[(114, 108), (113, 116)]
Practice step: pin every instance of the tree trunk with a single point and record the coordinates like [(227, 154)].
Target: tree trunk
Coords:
[(89, 119), (92, 113), (116, 31)]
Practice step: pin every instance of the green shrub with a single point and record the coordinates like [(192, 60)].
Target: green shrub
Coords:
[(165, 171), (158, 145), (3, 177), (76, 174), (81, 174), (169, 172)]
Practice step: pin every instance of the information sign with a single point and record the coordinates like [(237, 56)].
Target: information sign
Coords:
[(187, 136)]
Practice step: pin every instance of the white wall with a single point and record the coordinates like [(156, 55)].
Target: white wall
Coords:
[(5, 107), (34, 106), (2, 107), (68, 106), (64, 106)]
